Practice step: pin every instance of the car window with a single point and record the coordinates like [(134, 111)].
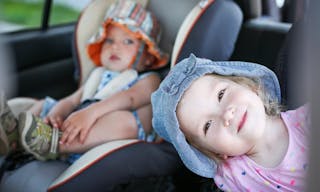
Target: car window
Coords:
[(18, 15), (21, 14), (66, 11)]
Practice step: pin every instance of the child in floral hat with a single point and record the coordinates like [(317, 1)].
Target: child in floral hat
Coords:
[(114, 103)]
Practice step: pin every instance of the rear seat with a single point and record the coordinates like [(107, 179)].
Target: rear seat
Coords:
[(209, 30), (274, 44), (260, 38), (132, 161)]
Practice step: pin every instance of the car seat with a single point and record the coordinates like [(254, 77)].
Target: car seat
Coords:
[(260, 38), (208, 28), (290, 62), (271, 10)]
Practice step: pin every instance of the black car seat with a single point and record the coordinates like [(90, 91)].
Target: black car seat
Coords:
[(208, 28), (291, 61), (293, 10), (271, 10), (260, 38), (274, 44)]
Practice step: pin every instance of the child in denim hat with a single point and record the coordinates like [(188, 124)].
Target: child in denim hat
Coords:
[(115, 101), (225, 123)]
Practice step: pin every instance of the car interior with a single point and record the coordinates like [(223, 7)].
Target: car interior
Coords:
[(51, 61)]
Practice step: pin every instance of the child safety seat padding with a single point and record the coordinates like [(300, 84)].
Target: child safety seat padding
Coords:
[(136, 160), (203, 34), (129, 162), (171, 13), (290, 62)]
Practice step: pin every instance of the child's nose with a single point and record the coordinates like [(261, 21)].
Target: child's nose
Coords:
[(228, 115), (115, 45)]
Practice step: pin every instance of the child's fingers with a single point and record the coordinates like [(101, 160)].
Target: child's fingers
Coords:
[(58, 122), (83, 135), (65, 135), (72, 135), (53, 121), (65, 127), (46, 120), (69, 134), (63, 138)]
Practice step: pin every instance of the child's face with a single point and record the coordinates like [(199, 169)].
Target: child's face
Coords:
[(119, 49), (221, 116)]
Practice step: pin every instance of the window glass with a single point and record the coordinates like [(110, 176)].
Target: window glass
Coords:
[(20, 14), (16, 15), (66, 11)]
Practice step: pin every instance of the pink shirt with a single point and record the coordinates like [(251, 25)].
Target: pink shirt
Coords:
[(243, 174)]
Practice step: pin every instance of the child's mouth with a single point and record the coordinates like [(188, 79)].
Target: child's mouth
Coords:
[(243, 120), (114, 57)]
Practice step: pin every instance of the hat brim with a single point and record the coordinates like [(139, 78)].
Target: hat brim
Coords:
[(94, 48)]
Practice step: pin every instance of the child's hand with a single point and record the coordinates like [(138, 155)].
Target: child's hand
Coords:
[(76, 125), (54, 121)]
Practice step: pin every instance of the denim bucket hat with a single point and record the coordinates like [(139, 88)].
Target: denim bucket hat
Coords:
[(166, 98)]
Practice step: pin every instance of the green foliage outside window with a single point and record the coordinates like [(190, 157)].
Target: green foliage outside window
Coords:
[(21, 12), (61, 14), (28, 13)]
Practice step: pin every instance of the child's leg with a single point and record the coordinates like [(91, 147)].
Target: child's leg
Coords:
[(41, 140), (8, 128), (145, 116), (112, 126)]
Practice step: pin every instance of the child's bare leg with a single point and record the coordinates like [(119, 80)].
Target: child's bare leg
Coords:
[(113, 126), (145, 116)]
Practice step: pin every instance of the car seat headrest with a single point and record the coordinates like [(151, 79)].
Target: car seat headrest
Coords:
[(170, 19), (251, 8), (210, 31)]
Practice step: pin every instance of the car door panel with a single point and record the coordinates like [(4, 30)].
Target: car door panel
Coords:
[(43, 61)]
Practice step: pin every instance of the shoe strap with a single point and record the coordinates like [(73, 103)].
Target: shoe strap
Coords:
[(54, 140)]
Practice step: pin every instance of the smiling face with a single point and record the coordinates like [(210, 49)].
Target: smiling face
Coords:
[(220, 116), (119, 49)]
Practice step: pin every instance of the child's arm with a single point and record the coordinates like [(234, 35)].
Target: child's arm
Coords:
[(63, 108), (80, 122)]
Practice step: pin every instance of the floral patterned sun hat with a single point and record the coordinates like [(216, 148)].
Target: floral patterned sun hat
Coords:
[(135, 19)]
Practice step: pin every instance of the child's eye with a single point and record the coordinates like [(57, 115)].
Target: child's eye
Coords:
[(128, 41), (109, 41), (220, 94), (207, 126)]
